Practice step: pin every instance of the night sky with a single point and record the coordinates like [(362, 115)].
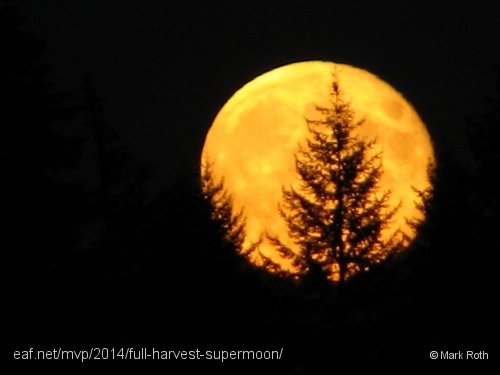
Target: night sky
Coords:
[(165, 68)]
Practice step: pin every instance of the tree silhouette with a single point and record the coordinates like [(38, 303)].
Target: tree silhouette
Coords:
[(338, 214), (42, 196), (483, 131), (117, 187), (39, 198), (231, 224), (482, 186)]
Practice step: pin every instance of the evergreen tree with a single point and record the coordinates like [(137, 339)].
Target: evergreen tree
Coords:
[(483, 131), (232, 225), (38, 153), (338, 213), (41, 196), (482, 186), (117, 190)]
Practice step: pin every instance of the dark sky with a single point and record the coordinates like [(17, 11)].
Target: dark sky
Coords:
[(165, 68)]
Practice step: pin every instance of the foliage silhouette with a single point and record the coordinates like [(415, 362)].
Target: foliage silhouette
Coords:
[(338, 214), (483, 131), (63, 168), (31, 140), (36, 152), (41, 201), (117, 191), (231, 224), (482, 186)]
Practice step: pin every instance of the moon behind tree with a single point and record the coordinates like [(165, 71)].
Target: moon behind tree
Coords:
[(254, 138)]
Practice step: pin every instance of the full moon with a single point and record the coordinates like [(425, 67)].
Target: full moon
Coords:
[(255, 136)]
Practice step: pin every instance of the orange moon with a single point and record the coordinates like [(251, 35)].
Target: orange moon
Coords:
[(254, 138)]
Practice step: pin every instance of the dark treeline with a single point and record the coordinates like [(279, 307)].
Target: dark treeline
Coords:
[(94, 260)]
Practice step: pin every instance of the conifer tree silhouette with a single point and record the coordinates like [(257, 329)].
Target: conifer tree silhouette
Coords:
[(230, 223), (338, 213)]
